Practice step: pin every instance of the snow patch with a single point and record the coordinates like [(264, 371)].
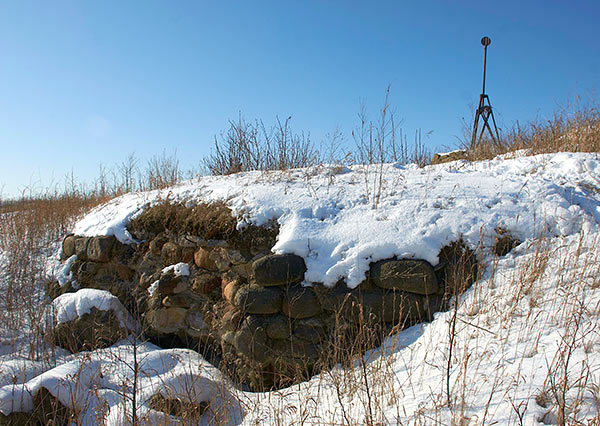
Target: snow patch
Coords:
[(181, 269), (69, 306), (64, 275)]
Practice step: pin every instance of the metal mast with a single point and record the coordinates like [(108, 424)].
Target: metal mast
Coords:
[(484, 110)]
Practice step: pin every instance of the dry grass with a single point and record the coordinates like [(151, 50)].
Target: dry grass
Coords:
[(573, 128), (29, 230), (252, 146)]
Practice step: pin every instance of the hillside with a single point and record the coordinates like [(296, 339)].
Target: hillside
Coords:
[(520, 346)]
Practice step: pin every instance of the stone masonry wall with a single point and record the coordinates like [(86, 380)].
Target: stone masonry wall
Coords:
[(247, 310)]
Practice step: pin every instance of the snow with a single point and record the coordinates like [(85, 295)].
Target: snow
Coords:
[(341, 223), (179, 269), (153, 287), (69, 306), (94, 385), (63, 274), (526, 333)]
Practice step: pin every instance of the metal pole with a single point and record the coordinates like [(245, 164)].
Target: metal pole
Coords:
[(484, 63), (485, 41)]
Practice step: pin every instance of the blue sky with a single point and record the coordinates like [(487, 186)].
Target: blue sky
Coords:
[(88, 83)]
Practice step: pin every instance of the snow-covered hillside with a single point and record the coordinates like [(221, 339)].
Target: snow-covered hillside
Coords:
[(340, 220), (522, 346)]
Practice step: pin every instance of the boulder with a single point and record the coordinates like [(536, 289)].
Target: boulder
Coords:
[(362, 307), (311, 330), (99, 249), (378, 306), (399, 306), (81, 244), (414, 276), (243, 270), (251, 340), (258, 300), (278, 327), (195, 326), (231, 320), (295, 348), (150, 263), (445, 157), (89, 271), (166, 320), (205, 283), (300, 302), (177, 300), (169, 283), (68, 246), (230, 291), (203, 260), (278, 269), (115, 279), (156, 244), (171, 253), (122, 253), (235, 257), (187, 254), (332, 299), (219, 256)]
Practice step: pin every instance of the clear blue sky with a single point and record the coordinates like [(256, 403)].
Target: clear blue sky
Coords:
[(88, 83)]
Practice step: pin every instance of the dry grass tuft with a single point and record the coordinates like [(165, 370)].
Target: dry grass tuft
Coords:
[(575, 129)]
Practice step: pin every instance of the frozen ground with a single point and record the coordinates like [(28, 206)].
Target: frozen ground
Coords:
[(521, 347)]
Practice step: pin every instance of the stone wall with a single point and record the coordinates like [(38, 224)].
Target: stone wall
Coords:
[(247, 310)]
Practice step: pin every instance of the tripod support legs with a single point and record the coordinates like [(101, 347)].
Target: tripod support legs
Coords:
[(484, 111)]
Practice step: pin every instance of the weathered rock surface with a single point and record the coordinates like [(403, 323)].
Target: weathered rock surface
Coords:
[(258, 300), (165, 320), (99, 249), (249, 305), (279, 269), (68, 246), (300, 302), (414, 276), (81, 244), (440, 158), (251, 340)]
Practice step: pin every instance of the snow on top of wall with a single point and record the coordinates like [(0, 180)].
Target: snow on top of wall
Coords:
[(340, 223)]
